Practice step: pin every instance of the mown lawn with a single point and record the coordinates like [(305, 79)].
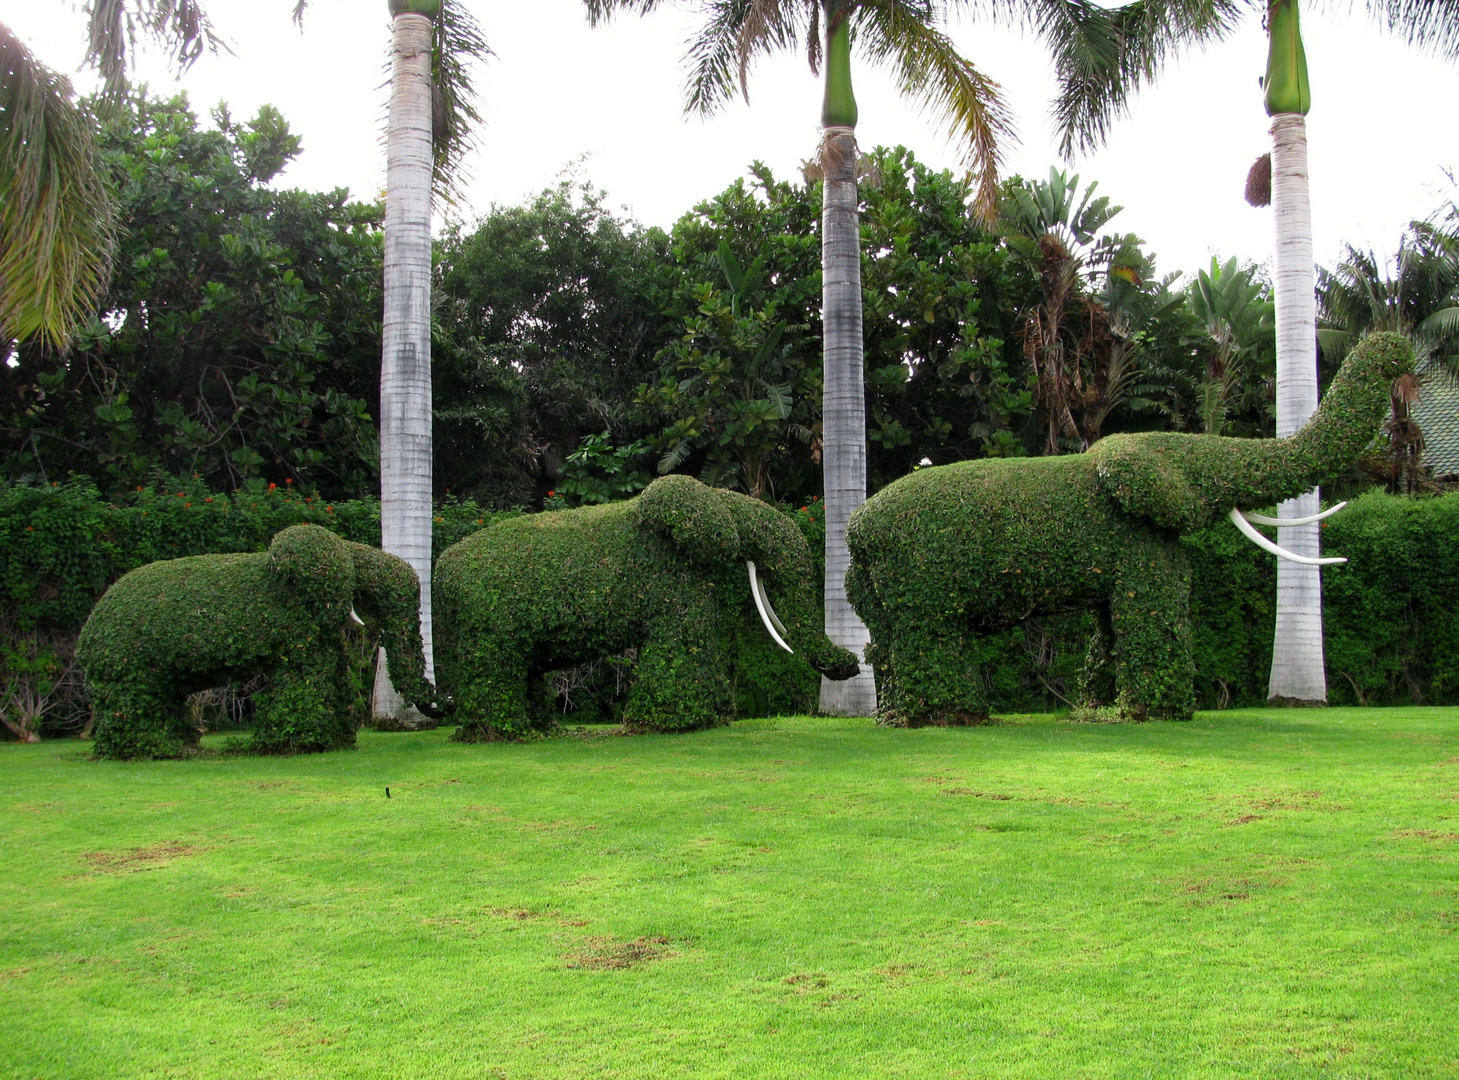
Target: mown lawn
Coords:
[(1253, 894)]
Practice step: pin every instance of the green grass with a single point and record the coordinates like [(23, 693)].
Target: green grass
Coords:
[(1252, 894)]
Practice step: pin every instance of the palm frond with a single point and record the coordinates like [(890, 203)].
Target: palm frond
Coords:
[(1103, 56), (600, 11), (767, 25), (733, 34), (458, 46), (57, 217), (1429, 24), (928, 68), (180, 26)]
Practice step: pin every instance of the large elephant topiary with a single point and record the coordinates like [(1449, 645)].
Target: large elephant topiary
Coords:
[(949, 554), (174, 627), (654, 573)]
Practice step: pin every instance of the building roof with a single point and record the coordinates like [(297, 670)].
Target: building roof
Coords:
[(1437, 413)]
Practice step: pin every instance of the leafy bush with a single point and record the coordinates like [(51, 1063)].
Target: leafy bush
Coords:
[(177, 626), (663, 574), (62, 545)]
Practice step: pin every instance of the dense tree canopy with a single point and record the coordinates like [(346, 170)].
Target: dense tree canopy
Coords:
[(576, 352), (238, 335)]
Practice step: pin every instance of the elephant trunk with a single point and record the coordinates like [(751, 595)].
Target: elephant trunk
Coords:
[(1350, 415), (388, 593), (803, 634), (782, 585)]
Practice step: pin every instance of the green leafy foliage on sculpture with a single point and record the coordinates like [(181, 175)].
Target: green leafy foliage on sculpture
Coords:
[(948, 555), (181, 625), (661, 574)]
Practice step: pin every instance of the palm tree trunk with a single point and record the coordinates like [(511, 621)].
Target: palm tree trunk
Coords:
[(1298, 675), (843, 410), (405, 369)]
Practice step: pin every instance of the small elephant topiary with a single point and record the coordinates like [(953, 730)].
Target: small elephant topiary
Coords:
[(950, 554), (174, 627), (654, 573)]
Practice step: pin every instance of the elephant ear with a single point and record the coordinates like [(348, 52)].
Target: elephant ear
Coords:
[(692, 515), (316, 563), (1146, 483)]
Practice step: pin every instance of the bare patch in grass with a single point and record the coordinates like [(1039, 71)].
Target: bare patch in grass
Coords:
[(135, 860), (608, 954), (995, 796), (527, 915), (561, 825), (1244, 819), (806, 981), (1428, 834), (1208, 891)]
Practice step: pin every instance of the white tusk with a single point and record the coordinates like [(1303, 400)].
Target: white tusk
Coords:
[(769, 607), (356, 617), (1287, 523), (1280, 552), (767, 613)]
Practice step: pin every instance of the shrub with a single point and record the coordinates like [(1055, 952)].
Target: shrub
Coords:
[(62, 545)]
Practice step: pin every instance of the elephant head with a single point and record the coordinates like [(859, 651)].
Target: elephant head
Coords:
[(341, 578), (1184, 482), (713, 527)]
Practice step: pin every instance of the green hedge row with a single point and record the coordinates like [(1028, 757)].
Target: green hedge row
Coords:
[(62, 545), (1392, 612)]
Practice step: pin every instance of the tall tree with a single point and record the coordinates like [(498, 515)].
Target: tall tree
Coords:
[(904, 35), (432, 111)]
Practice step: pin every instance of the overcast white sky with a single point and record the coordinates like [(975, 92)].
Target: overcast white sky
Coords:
[(606, 104)]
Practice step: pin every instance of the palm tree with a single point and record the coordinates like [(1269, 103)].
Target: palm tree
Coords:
[(1103, 91), (904, 35), (56, 213), (432, 114)]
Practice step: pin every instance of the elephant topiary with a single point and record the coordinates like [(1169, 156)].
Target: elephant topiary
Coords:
[(949, 554), (174, 627), (657, 573)]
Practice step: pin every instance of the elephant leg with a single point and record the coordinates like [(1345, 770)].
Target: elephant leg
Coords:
[(680, 680), (138, 720), (1150, 618), (933, 676), (305, 711), (492, 702), (1097, 682)]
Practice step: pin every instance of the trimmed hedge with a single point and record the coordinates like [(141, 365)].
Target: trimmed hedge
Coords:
[(177, 626), (662, 574), (1389, 612), (62, 545), (949, 555)]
